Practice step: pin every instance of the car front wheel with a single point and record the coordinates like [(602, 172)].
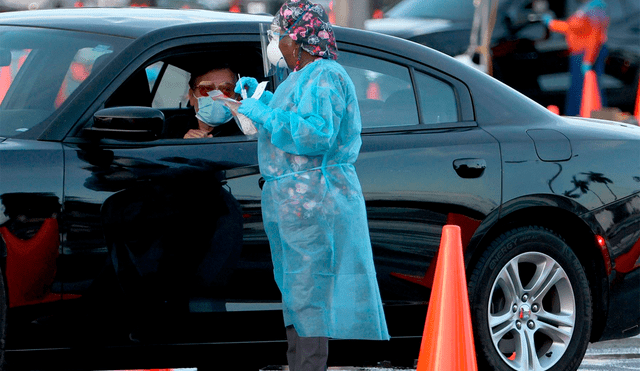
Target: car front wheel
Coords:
[(530, 303)]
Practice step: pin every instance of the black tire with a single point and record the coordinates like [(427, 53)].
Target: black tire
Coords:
[(519, 326)]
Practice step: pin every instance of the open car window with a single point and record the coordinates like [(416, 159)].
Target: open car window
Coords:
[(163, 82)]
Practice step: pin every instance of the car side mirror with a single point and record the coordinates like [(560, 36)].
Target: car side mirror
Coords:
[(5, 57), (127, 123)]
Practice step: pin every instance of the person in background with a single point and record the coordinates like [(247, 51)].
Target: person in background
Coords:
[(212, 117), (586, 34), (312, 204)]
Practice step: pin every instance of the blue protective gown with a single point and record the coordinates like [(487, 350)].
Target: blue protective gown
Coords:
[(313, 209)]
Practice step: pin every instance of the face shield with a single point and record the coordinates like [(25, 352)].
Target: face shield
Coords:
[(273, 61)]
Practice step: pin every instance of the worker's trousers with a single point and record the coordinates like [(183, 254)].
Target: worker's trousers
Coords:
[(306, 353)]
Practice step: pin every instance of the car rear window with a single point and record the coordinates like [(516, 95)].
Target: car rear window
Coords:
[(438, 103), (384, 89), (40, 70), (387, 97)]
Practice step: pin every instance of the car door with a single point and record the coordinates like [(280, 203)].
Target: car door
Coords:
[(424, 163), (156, 228)]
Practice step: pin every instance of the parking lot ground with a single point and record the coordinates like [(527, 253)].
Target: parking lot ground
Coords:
[(623, 348), (614, 355)]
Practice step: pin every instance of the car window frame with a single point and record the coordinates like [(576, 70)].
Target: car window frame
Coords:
[(146, 57), (148, 53), (461, 91)]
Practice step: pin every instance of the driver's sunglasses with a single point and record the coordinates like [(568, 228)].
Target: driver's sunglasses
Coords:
[(226, 88)]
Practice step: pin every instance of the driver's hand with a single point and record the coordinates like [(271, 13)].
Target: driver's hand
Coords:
[(197, 133)]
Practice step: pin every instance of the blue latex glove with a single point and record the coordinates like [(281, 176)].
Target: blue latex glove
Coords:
[(586, 67), (546, 19), (254, 109), (248, 83), (251, 84), (266, 97)]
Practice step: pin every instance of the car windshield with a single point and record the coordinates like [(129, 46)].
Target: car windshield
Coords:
[(455, 10), (41, 68)]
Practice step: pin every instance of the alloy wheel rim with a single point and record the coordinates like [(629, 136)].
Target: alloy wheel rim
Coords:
[(531, 312)]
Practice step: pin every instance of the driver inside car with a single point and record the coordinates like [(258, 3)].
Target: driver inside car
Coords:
[(212, 118)]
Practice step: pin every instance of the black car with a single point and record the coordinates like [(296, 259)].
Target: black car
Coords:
[(126, 248), (525, 55)]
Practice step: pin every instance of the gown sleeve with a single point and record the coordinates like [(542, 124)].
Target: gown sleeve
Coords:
[(311, 127)]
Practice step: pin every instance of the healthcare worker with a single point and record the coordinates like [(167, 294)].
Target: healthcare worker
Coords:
[(586, 34), (312, 204)]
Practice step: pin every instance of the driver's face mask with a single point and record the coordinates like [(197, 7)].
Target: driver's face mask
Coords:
[(212, 112)]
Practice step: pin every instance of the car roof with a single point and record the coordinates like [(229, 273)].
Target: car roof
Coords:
[(125, 22)]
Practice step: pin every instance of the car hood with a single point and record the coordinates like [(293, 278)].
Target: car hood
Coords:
[(406, 27)]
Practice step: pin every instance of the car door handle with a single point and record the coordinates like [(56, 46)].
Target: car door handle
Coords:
[(469, 167)]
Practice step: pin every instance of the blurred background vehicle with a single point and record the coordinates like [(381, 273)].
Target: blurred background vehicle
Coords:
[(525, 55), (185, 4), (268, 6), (13, 5)]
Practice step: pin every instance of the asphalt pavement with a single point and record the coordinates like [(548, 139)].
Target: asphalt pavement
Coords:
[(614, 355)]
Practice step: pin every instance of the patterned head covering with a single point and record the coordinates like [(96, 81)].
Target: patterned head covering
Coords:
[(308, 25)]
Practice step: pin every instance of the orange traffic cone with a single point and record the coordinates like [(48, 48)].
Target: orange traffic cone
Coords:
[(447, 341), (467, 226), (235, 7), (31, 264), (590, 95), (637, 111), (553, 108), (5, 81), (373, 91)]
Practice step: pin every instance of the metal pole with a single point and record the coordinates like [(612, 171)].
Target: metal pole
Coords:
[(351, 13)]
